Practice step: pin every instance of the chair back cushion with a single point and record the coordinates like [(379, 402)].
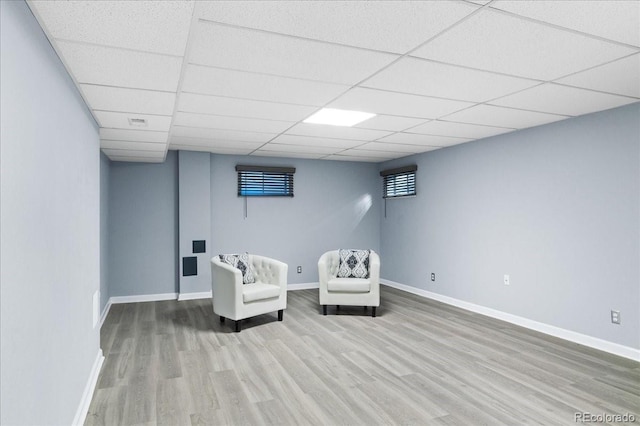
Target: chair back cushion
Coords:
[(353, 263), (240, 261)]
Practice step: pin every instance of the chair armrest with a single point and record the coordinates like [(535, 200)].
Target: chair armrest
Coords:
[(226, 288)]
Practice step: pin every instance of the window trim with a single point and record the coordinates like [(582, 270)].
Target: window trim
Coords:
[(406, 171), (280, 184)]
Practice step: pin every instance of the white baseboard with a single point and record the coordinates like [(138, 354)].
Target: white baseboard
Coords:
[(85, 401), (572, 336), (302, 286), (192, 296), (143, 298), (105, 312)]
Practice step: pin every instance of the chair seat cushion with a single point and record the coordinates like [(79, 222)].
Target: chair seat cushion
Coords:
[(259, 291), (349, 285)]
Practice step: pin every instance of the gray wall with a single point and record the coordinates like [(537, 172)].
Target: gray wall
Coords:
[(105, 169), (194, 187), (336, 205), (556, 207), (143, 228), (49, 229)]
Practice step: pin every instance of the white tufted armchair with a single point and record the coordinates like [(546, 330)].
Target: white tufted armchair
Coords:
[(348, 291), (234, 300)]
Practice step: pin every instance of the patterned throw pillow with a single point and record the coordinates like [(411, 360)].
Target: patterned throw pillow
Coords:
[(240, 261), (353, 263)]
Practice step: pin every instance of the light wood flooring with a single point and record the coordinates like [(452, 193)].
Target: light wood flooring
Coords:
[(418, 362)]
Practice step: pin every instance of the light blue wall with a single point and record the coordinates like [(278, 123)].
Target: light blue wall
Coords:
[(49, 229), (556, 207), (143, 228), (105, 169), (336, 205)]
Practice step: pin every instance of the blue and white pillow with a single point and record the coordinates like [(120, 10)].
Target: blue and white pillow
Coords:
[(353, 263), (240, 261)]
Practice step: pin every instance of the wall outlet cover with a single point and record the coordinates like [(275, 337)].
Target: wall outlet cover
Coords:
[(433, 276)]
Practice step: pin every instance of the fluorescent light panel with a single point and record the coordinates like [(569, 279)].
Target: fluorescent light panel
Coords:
[(338, 117)]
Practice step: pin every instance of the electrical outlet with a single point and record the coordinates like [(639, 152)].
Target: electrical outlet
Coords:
[(299, 269), (433, 276), (506, 280), (615, 317)]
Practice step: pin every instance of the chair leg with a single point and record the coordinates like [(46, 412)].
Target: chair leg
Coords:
[(280, 313), (238, 326), (373, 311), (221, 319), (324, 309), (337, 307)]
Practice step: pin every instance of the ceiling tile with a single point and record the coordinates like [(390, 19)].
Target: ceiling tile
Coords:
[(458, 130), (133, 135), (357, 152), (620, 77), (268, 53), (212, 149), (503, 117), (134, 153), (389, 122), (128, 100), (287, 154), (340, 157), (564, 100), (135, 159), (316, 141), (614, 20), (161, 27), (519, 47), (129, 145), (234, 107), (337, 132), (320, 150), (246, 85), (418, 76), (120, 120), (218, 134), (391, 103), (428, 140), (187, 119), (382, 25), (215, 143), (392, 147)]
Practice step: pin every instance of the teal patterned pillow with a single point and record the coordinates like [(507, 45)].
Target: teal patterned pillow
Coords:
[(353, 263), (240, 261)]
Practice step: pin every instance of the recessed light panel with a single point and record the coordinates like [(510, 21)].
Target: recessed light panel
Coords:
[(338, 117)]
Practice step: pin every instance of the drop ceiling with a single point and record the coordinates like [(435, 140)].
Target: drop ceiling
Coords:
[(240, 77)]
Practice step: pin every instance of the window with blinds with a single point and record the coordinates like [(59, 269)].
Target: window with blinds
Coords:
[(260, 181), (400, 182)]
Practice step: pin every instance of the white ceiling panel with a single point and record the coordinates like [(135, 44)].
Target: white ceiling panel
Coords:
[(391, 103), (214, 143), (320, 150), (118, 67), (133, 135), (392, 147), (389, 122), (120, 120), (218, 134), (458, 130), (207, 104), (503, 117), (187, 119), (428, 140), (161, 27), (494, 41), (381, 25), (212, 149), (356, 157), (620, 77), (268, 53), (130, 159), (316, 141), (128, 100), (287, 154), (615, 20), (134, 153), (412, 75), (129, 145), (564, 100), (246, 85), (336, 132), (357, 152)]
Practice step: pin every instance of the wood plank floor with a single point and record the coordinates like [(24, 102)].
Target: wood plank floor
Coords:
[(418, 362)]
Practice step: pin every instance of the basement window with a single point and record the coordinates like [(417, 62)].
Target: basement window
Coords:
[(262, 181), (399, 182)]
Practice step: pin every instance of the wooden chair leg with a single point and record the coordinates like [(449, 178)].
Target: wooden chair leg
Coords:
[(373, 311), (280, 314), (324, 309), (238, 326), (221, 319)]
